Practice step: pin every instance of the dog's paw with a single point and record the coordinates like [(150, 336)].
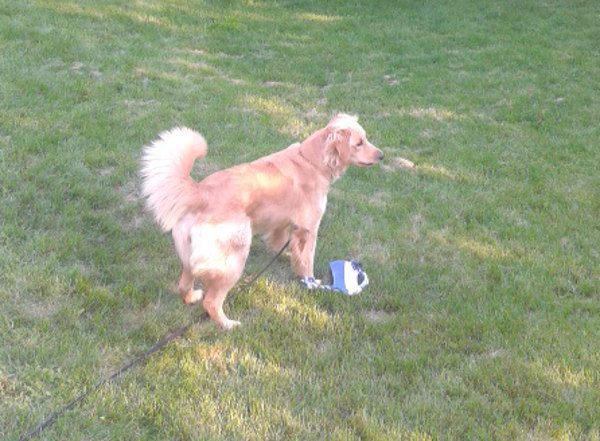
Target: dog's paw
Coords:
[(193, 296), (228, 325), (310, 282)]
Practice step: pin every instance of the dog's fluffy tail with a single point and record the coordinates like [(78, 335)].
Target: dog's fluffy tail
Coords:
[(166, 182)]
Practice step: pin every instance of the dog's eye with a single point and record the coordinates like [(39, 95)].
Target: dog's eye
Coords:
[(360, 143)]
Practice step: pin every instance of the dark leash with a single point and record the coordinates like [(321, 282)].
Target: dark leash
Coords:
[(158, 346)]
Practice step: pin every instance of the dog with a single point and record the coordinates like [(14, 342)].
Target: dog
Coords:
[(280, 196)]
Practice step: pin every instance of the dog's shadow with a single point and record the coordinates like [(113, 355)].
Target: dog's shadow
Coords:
[(261, 258), (278, 270)]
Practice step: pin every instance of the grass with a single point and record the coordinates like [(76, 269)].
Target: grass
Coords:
[(482, 320)]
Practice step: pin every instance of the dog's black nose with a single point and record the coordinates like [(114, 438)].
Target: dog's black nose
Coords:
[(380, 156)]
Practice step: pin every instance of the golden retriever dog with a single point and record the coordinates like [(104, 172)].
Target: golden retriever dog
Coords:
[(280, 196)]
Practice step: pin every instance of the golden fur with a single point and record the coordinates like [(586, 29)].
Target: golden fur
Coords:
[(280, 196)]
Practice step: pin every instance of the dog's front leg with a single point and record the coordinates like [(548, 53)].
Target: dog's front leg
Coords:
[(303, 246)]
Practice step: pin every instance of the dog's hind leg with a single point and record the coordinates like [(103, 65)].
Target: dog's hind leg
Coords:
[(218, 260), (216, 292), (185, 288), (181, 238)]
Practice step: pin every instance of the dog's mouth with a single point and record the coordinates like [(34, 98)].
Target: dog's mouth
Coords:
[(369, 163), (370, 160)]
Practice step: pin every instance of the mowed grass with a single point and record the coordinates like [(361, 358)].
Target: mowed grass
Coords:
[(482, 320)]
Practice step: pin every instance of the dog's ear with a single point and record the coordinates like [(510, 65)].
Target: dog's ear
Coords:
[(337, 149)]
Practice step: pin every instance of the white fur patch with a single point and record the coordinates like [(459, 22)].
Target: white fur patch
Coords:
[(323, 203), (218, 246)]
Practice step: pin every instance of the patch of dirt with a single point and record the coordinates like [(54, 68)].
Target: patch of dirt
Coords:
[(404, 163), (375, 316)]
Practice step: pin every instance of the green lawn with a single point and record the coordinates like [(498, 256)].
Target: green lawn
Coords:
[(482, 320)]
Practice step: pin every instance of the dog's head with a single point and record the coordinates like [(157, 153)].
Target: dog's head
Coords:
[(341, 143), (346, 143)]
